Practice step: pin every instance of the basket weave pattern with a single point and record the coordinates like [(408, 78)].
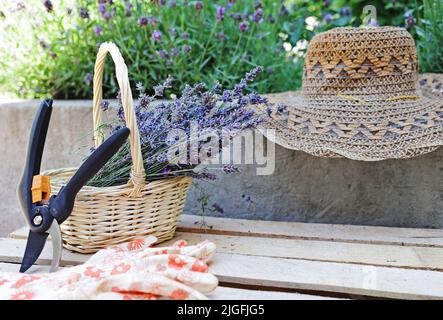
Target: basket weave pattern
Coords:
[(110, 215)]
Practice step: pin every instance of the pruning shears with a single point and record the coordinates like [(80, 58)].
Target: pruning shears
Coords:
[(43, 212)]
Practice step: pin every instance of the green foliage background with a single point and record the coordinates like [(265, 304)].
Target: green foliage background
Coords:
[(52, 53)]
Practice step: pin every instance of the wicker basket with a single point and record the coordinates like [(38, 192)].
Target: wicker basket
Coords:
[(111, 215)]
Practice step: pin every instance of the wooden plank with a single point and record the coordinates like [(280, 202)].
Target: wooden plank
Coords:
[(427, 258), (292, 274), (12, 250), (227, 293), (221, 293), (303, 231), (314, 231), (317, 276)]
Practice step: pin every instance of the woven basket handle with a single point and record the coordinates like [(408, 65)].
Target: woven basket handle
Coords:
[(137, 178)]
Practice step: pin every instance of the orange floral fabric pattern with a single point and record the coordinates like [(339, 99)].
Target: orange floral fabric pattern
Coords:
[(135, 270)]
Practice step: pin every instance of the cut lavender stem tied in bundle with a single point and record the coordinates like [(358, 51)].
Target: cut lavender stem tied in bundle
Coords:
[(167, 128)]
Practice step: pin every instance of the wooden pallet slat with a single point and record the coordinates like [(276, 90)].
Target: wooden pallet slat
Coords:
[(314, 231)]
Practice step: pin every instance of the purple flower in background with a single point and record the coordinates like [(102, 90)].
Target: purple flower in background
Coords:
[(88, 79), (84, 14), (198, 6), (102, 8), (373, 23), (163, 54), (257, 17), (174, 52), (162, 2), (48, 5), (97, 30), (172, 3), (271, 19), (185, 35), (186, 48), (258, 5), (53, 55), (244, 26), (143, 22), (128, 8), (328, 18), (346, 11), (153, 21), (236, 16), (326, 3), (410, 20), (157, 35), (221, 36), (220, 13)]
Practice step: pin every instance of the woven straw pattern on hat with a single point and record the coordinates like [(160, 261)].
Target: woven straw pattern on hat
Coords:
[(361, 98)]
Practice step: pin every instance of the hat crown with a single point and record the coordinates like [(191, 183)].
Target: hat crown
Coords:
[(361, 61)]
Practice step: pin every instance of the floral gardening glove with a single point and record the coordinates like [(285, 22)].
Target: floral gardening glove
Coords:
[(133, 270)]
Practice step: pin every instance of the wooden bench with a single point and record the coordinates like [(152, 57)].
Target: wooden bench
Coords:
[(282, 260)]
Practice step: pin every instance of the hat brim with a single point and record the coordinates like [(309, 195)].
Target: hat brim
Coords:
[(410, 128)]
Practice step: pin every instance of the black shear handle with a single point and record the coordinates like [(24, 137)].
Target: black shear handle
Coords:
[(33, 160), (62, 205)]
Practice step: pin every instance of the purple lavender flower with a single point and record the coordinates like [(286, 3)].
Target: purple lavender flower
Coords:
[(271, 19), (198, 6), (186, 48), (236, 16), (143, 21), (128, 9), (220, 16), (174, 52), (157, 35), (346, 11), (84, 14), (257, 17), (258, 5), (53, 55), (328, 18), (410, 20), (139, 86), (153, 21), (88, 79), (102, 8), (221, 36), (163, 54), (97, 30), (48, 5), (326, 3), (373, 23), (172, 3), (162, 2), (244, 26), (185, 35)]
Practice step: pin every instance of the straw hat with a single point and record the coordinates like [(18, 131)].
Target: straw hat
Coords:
[(361, 99)]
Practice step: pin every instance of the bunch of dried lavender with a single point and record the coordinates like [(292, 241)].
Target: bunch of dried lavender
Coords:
[(215, 110)]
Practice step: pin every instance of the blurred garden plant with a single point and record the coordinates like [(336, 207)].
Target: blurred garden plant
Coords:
[(49, 47)]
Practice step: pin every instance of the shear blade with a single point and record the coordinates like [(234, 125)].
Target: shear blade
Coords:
[(34, 246)]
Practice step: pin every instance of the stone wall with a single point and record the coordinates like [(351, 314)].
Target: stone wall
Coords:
[(406, 193)]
